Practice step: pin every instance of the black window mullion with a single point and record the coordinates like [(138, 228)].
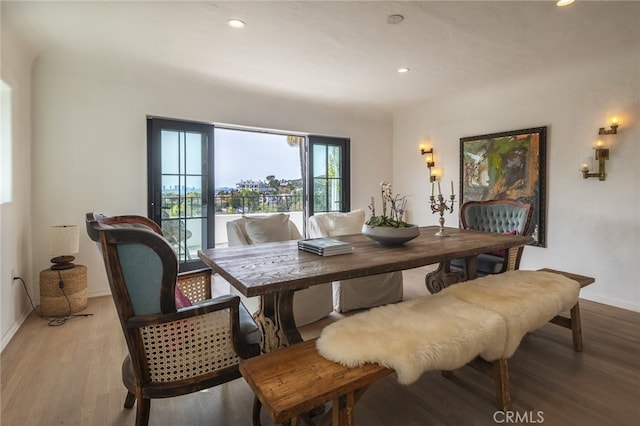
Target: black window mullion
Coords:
[(209, 169)]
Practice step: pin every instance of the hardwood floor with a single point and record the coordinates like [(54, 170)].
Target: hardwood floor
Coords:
[(71, 375)]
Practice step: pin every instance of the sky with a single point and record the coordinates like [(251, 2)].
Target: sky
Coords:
[(243, 155)]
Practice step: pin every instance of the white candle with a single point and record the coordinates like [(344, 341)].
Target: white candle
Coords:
[(439, 191), (452, 188), (432, 188)]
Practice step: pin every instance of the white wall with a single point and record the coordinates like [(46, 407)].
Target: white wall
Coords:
[(80, 145), (89, 149), (593, 227), (15, 216)]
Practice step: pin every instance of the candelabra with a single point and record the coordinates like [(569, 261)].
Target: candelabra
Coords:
[(440, 206)]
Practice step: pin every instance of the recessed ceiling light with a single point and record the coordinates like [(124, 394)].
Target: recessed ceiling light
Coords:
[(561, 3), (403, 70), (236, 23), (394, 19)]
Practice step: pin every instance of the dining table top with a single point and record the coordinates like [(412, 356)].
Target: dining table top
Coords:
[(266, 268)]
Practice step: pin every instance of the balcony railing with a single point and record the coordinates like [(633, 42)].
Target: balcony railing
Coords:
[(183, 222), (174, 206), (258, 203)]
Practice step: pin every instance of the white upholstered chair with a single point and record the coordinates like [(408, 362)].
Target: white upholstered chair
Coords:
[(310, 304), (356, 293)]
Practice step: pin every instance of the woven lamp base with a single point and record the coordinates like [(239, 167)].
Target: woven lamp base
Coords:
[(52, 298)]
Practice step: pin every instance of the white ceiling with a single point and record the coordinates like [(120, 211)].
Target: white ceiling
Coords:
[(339, 51)]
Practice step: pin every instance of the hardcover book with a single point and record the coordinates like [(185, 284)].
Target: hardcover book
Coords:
[(325, 246)]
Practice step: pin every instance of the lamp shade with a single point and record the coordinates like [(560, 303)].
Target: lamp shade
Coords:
[(63, 240)]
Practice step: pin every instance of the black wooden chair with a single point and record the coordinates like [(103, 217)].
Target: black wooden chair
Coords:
[(172, 351)]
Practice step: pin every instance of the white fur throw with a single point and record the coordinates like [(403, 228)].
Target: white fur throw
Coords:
[(525, 299), (436, 332)]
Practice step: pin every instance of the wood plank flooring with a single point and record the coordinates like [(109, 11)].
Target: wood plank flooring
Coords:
[(70, 375)]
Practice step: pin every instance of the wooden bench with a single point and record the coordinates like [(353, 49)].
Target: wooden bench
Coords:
[(292, 381), (573, 323), (499, 369)]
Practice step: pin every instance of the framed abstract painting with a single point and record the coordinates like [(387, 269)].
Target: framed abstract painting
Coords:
[(507, 165)]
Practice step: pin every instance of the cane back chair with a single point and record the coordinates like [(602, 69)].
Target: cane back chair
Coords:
[(172, 351)]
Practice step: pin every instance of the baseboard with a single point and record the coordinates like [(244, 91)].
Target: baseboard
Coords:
[(609, 301), (6, 338), (98, 293)]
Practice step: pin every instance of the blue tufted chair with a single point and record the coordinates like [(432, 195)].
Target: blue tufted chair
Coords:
[(172, 351), (503, 216)]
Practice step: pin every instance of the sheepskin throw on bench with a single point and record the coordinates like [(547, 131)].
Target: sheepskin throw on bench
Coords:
[(436, 332), (526, 300), (486, 317)]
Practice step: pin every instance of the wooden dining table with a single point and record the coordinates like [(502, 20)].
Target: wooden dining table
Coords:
[(274, 271)]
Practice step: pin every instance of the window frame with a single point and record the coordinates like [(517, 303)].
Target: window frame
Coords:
[(155, 125), (6, 143), (345, 172)]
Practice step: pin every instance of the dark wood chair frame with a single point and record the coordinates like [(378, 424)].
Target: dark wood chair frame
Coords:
[(135, 368)]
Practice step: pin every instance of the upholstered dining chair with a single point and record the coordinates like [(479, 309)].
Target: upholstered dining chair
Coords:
[(357, 293), (195, 285), (172, 350), (310, 304), (502, 216)]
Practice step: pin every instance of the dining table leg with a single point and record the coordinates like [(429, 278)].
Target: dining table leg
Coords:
[(285, 321), (441, 278), (470, 268), (276, 322)]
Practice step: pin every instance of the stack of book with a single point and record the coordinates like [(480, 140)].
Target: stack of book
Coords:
[(325, 246)]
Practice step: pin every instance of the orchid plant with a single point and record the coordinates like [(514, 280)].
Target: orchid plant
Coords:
[(396, 208)]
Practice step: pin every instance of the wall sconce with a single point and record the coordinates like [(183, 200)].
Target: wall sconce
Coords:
[(602, 154), (612, 131), (436, 173), (429, 161)]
